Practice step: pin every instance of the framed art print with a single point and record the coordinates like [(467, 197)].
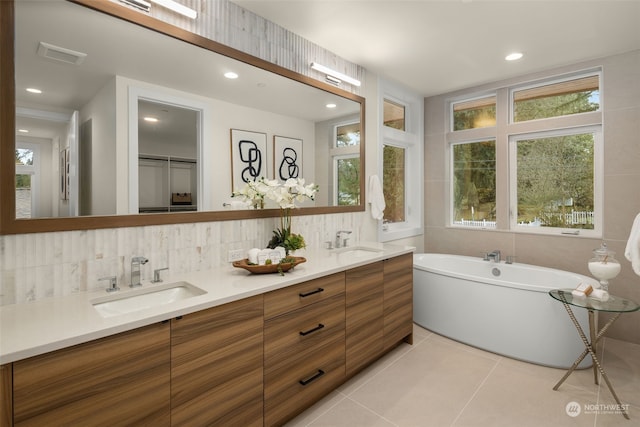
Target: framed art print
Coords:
[(287, 158), (248, 157)]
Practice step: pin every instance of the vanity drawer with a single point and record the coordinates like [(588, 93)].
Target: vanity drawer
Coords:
[(293, 388), (297, 296), (300, 333)]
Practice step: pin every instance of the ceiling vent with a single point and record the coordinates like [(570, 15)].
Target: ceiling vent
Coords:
[(61, 54)]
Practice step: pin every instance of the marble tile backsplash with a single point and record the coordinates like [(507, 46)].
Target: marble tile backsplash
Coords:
[(44, 265)]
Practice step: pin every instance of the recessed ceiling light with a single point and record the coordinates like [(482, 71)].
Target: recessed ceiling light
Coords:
[(331, 105), (33, 90), (23, 130), (513, 56), (231, 75), (151, 119)]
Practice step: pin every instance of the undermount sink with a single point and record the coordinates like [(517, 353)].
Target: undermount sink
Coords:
[(143, 298), (357, 251)]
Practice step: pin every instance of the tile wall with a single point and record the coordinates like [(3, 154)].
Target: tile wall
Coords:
[(43, 265)]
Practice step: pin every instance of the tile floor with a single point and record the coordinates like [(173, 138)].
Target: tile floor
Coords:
[(439, 382)]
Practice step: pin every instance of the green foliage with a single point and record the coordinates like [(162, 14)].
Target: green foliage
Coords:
[(555, 175), (393, 185), (474, 117), (555, 106), (349, 181), (474, 179), (23, 181)]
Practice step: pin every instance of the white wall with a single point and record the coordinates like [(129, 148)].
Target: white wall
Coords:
[(101, 111)]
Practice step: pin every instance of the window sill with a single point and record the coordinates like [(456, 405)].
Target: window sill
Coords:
[(397, 232)]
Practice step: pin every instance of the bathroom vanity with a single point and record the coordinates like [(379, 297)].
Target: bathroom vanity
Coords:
[(254, 350)]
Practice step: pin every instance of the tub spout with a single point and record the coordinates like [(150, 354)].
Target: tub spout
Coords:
[(495, 255)]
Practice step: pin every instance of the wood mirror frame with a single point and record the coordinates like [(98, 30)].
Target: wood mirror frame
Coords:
[(8, 222)]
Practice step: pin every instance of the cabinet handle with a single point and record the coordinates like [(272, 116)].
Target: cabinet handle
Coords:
[(313, 378), (307, 294), (317, 328)]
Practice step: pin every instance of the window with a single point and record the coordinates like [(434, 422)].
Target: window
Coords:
[(578, 95), (474, 184), (394, 115), (25, 170), (393, 183), (552, 167), (347, 135), (401, 162), (347, 180), (554, 180), (346, 164), (474, 113)]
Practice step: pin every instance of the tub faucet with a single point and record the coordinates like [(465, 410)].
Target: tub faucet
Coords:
[(340, 241), (495, 255), (136, 263)]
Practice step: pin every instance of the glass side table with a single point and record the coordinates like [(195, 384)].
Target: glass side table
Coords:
[(614, 304)]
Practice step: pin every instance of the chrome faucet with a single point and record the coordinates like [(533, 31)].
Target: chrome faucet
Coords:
[(136, 262), (340, 241), (495, 255), (156, 274), (113, 283)]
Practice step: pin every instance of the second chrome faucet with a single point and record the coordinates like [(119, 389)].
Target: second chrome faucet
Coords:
[(136, 264)]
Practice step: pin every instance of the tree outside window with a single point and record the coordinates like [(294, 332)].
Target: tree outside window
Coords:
[(474, 182), (393, 183), (555, 184)]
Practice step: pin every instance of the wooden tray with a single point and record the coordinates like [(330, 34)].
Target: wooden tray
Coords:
[(270, 268)]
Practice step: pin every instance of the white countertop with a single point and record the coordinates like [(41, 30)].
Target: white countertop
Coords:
[(50, 324)]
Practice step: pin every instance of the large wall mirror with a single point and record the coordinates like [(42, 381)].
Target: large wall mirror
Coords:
[(111, 118)]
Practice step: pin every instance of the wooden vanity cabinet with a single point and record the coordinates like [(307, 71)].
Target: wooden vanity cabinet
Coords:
[(257, 361), (118, 380), (304, 346), (6, 395), (398, 300), (216, 365), (364, 316)]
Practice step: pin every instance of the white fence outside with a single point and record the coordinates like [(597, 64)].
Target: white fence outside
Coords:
[(570, 218)]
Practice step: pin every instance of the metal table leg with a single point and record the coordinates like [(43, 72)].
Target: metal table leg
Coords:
[(589, 349)]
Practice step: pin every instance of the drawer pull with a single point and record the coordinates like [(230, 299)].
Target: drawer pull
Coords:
[(313, 378), (317, 328), (308, 294)]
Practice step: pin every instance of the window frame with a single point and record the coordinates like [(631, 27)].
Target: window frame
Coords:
[(506, 129), (552, 81), (471, 98), (337, 153), (598, 165), (412, 141), (334, 165), (31, 170), (451, 192)]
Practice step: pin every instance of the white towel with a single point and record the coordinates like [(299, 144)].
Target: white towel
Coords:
[(376, 198), (632, 251)]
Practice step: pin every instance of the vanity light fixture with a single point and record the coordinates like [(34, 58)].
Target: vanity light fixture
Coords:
[(177, 7), (513, 56), (334, 76)]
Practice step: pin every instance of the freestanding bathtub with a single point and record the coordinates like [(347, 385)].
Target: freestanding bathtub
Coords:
[(499, 307)]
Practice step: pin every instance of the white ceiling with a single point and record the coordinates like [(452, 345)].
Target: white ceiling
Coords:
[(437, 46)]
